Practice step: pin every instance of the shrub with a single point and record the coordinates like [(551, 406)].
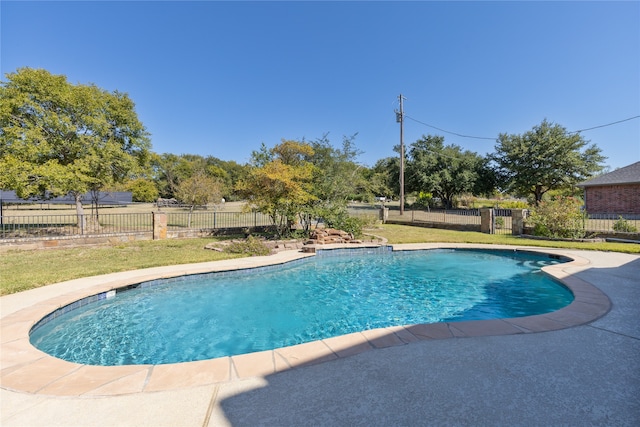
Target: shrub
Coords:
[(624, 226), (513, 204), (338, 217), (369, 220), (349, 224), (558, 218), (423, 201), (251, 246)]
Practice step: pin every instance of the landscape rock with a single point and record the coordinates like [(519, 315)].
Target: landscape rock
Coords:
[(273, 245), (320, 236), (327, 236)]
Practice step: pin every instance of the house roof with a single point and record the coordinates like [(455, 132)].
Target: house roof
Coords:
[(626, 175)]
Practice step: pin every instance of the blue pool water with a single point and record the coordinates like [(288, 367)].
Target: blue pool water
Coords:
[(212, 315)]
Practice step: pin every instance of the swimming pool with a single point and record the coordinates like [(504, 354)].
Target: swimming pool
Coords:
[(340, 291)]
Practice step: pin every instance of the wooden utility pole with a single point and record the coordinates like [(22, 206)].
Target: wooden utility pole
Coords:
[(400, 119)]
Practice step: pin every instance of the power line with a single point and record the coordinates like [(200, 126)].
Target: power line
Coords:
[(446, 131), (608, 124), (494, 138)]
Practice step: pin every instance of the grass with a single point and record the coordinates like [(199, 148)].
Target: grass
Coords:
[(407, 234), (22, 270)]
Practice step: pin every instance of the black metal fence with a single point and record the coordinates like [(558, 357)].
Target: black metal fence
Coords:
[(443, 216), (215, 220), (69, 225), (34, 226), (602, 224), (607, 223), (37, 226)]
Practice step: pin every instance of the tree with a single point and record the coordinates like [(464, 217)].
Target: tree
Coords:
[(198, 190), (486, 182), (57, 138), (171, 169), (384, 177), (234, 173), (279, 182), (445, 171), (545, 158), (142, 190), (337, 179)]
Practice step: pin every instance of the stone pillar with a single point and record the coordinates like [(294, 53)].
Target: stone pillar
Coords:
[(159, 225), (486, 221), (517, 221), (384, 214)]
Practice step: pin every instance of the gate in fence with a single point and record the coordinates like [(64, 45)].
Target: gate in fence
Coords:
[(502, 221)]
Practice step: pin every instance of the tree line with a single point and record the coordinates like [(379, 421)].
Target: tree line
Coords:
[(58, 138)]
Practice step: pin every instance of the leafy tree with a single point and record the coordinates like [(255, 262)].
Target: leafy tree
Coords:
[(384, 178), (486, 181), (234, 172), (142, 190), (337, 180), (171, 169), (444, 171), (306, 180), (57, 138), (279, 182), (545, 158), (198, 190)]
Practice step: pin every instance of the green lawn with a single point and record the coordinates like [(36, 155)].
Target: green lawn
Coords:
[(22, 270), (407, 234)]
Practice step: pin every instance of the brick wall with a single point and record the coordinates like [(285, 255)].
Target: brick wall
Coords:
[(615, 199)]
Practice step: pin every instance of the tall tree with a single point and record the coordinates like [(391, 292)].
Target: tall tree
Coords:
[(384, 177), (57, 138), (199, 190), (233, 172), (279, 182), (172, 169), (337, 178), (445, 171), (545, 158)]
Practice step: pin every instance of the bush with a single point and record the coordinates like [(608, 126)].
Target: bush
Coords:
[(338, 217), (513, 204), (352, 225), (558, 218), (624, 226), (252, 246), (423, 201)]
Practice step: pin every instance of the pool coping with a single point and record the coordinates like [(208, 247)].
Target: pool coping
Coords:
[(28, 370)]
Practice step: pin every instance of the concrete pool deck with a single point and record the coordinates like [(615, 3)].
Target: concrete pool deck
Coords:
[(577, 366)]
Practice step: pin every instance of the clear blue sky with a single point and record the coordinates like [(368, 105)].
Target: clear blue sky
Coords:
[(220, 78)]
